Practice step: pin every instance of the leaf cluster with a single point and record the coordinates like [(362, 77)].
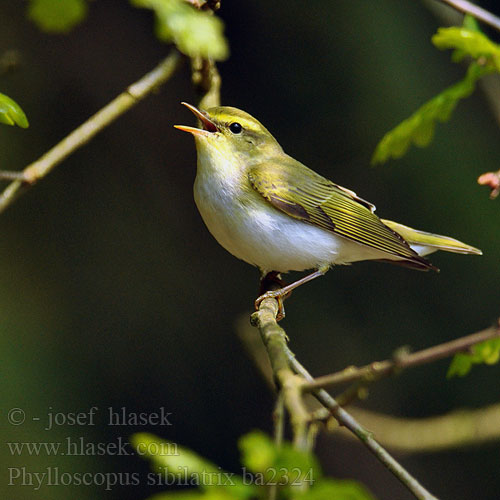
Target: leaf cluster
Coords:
[(487, 352), (11, 113), (418, 129), (295, 473), (195, 33)]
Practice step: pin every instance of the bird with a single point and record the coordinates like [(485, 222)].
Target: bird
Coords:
[(271, 211)]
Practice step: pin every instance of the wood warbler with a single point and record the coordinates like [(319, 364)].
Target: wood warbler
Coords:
[(271, 211)]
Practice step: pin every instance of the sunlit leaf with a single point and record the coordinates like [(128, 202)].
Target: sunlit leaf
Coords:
[(258, 452), (11, 113), (419, 127), (487, 352), (167, 454), (195, 33), (57, 16), (174, 464), (284, 465), (468, 43), (460, 366)]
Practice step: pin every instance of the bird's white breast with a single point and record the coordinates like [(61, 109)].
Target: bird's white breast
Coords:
[(250, 228)]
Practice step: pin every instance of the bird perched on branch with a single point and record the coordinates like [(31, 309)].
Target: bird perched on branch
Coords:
[(273, 212)]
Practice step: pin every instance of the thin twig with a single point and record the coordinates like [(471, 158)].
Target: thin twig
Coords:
[(204, 73), (379, 369), (81, 135), (475, 11), (282, 359), (274, 338), (365, 436), (456, 429), (11, 175)]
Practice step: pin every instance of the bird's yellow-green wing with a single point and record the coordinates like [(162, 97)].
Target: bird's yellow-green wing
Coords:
[(302, 193)]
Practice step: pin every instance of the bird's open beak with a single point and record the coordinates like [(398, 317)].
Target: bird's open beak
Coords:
[(208, 125)]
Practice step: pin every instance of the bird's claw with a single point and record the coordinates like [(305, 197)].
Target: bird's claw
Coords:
[(274, 294)]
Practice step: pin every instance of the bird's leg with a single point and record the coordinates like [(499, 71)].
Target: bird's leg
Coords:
[(282, 293), (270, 282)]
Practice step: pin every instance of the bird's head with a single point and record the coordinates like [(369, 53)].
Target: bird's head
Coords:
[(229, 132)]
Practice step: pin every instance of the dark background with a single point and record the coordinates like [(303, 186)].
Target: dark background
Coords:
[(114, 294)]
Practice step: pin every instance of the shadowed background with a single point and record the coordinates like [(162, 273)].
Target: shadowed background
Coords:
[(114, 294)]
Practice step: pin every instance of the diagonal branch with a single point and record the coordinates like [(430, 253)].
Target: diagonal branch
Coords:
[(284, 363), (475, 11), (274, 338), (95, 124), (380, 369)]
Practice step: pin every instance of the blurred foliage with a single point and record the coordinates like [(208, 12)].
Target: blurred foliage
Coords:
[(487, 352), (57, 16), (11, 113), (419, 127), (296, 473), (114, 293), (195, 33)]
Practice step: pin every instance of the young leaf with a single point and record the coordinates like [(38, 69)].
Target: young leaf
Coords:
[(487, 352), (194, 32), (11, 113), (176, 464), (468, 43), (283, 465), (57, 16), (258, 451), (419, 127), (167, 454)]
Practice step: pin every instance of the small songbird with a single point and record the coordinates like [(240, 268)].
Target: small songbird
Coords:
[(275, 213)]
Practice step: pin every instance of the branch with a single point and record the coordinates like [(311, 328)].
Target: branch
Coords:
[(283, 361), (204, 72), (274, 338), (475, 11), (81, 135), (456, 429), (379, 369)]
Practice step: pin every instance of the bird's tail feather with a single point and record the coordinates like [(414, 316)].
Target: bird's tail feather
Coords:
[(425, 243)]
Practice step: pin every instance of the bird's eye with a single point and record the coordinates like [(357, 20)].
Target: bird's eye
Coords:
[(235, 128)]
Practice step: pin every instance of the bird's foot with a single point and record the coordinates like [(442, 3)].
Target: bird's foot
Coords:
[(273, 287), (280, 295)]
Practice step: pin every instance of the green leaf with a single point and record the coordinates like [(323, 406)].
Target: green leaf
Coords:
[(195, 33), (57, 16), (337, 489), (176, 464), (165, 454), (460, 366), (258, 451), (419, 127), (284, 465), (487, 352), (11, 113), (468, 42), (471, 23)]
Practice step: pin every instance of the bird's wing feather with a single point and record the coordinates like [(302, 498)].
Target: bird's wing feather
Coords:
[(301, 193)]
